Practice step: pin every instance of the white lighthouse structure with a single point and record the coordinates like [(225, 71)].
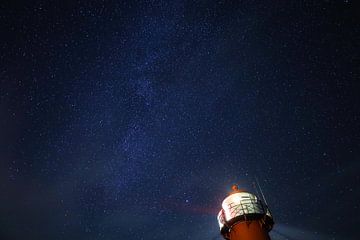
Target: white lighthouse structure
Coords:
[(243, 216)]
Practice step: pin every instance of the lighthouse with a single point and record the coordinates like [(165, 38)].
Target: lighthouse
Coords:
[(244, 216)]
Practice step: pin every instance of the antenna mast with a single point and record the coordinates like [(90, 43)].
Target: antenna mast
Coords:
[(262, 194)]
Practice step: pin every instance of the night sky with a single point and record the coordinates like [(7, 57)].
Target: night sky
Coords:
[(132, 119)]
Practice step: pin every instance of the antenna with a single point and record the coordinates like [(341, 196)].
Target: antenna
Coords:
[(256, 189), (262, 194)]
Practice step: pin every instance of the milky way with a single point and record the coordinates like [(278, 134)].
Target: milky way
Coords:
[(131, 119)]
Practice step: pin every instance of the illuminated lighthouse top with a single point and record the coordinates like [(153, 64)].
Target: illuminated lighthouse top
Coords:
[(242, 206)]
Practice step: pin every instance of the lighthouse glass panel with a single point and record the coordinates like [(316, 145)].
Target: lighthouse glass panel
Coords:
[(241, 203)]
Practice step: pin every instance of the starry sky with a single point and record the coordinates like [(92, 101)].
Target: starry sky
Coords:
[(132, 119)]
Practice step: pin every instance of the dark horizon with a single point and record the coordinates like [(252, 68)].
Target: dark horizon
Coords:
[(132, 119)]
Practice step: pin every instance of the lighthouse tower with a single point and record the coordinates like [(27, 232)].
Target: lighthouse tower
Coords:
[(243, 216)]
